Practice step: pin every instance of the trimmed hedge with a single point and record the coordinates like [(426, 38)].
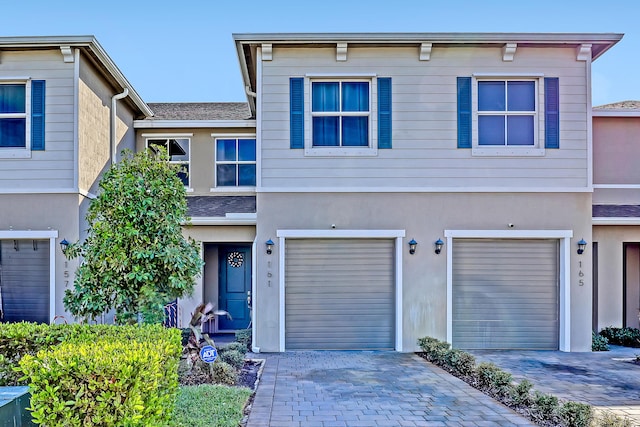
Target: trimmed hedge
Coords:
[(627, 337)]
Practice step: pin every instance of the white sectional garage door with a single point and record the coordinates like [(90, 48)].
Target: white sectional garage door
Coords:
[(339, 294), (505, 294)]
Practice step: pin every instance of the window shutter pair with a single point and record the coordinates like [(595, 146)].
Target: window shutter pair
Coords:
[(551, 112), (37, 114), (296, 112)]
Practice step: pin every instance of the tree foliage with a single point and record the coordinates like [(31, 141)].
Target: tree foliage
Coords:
[(135, 258)]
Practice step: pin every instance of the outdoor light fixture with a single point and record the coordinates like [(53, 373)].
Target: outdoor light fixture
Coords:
[(412, 246), (438, 244), (581, 245), (269, 244), (64, 245)]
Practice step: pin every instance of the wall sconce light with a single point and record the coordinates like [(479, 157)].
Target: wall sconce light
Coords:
[(581, 246), (64, 245), (412, 246), (269, 244), (438, 244)]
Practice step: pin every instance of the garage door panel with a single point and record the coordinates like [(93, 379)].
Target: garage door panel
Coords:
[(339, 294), (505, 294)]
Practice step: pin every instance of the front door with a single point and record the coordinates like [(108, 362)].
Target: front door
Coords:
[(631, 309), (235, 284)]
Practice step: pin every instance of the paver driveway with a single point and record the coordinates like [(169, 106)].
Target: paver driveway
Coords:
[(368, 388)]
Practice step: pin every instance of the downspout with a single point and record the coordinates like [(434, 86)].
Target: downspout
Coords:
[(114, 117)]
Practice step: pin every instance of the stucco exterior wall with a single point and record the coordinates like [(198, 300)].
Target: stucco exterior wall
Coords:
[(424, 217)]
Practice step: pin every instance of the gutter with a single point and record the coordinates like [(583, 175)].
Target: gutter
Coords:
[(114, 118)]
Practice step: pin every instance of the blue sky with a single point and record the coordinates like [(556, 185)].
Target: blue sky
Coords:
[(184, 52)]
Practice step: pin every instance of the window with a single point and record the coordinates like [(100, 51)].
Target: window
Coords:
[(340, 113), (178, 149), (235, 162), (507, 113), (13, 116)]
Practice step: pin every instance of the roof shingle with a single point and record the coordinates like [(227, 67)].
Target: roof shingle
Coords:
[(200, 111), (219, 206), (616, 211), (622, 105)]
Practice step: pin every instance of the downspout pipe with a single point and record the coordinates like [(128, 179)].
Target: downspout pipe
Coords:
[(114, 117)]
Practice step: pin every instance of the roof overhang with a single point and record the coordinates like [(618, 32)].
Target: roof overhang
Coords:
[(94, 51), (247, 44), (615, 113), (198, 124)]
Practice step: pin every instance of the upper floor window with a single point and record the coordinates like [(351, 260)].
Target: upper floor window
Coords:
[(340, 113), (13, 116), (507, 113), (235, 162), (178, 150)]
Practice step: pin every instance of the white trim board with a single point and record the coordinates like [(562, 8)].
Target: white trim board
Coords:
[(397, 235), (423, 190), (564, 236)]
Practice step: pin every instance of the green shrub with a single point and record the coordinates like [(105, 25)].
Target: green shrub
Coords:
[(233, 358), (521, 394), (435, 350), (576, 414), (460, 361), (233, 346), (223, 373), (114, 380), (545, 406), (607, 419), (599, 343), (493, 379), (628, 337), (244, 336)]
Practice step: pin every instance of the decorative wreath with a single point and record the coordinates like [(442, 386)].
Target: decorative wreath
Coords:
[(235, 259)]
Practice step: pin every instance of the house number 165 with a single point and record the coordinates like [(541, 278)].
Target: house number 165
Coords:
[(580, 274)]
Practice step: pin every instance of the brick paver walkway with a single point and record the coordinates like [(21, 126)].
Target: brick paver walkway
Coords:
[(368, 388), (602, 379)]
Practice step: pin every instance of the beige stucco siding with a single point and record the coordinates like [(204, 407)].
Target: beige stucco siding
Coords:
[(52, 168), (94, 115), (425, 153), (423, 217)]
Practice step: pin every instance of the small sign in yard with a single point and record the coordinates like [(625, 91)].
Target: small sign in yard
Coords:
[(208, 354)]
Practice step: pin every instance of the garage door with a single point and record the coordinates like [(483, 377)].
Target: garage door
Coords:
[(24, 280), (505, 294), (339, 294)]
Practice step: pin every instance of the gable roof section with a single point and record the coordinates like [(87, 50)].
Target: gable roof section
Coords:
[(247, 44), (618, 109), (92, 49)]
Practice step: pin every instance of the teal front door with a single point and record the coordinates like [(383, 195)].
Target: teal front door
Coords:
[(235, 284)]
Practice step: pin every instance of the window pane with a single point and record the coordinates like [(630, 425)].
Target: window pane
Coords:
[(521, 96), (326, 96), (247, 150), (226, 150), (355, 96), (491, 130), (226, 175), (12, 133), (178, 150), (183, 174), (491, 96), (154, 144), (12, 99), (355, 131), (325, 132), (247, 175), (520, 130)]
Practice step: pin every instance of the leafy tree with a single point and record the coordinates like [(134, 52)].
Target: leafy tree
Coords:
[(135, 258)]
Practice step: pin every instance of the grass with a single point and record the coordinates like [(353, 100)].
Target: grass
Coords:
[(210, 405)]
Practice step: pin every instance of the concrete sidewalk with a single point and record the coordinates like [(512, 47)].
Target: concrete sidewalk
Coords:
[(368, 388)]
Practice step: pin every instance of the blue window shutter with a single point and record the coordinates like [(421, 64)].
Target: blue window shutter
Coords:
[(37, 114), (551, 112), (384, 112), (464, 112), (296, 106)]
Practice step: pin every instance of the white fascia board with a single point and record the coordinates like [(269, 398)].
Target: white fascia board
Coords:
[(28, 234), (509, 234), (39, 191), (615, 221), (339, 234), (615, 113), (423, 190), (172, 124), (618, 186), (231, 220)]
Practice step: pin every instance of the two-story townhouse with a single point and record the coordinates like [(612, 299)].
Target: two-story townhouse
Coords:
[(65, 109), (616, 215), (422, 184)]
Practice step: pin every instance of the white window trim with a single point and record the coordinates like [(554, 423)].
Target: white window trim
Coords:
[(187, 136), (309, 149), (564, 237), (229, 188), (538, 127), (12, 152), (397, 235)]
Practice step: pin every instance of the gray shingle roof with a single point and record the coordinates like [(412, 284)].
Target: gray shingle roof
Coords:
[(219, 206), (622, 105), (200, 111), (616, 211)]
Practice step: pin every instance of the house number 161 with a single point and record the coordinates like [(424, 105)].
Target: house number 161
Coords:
[(580, 274)]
